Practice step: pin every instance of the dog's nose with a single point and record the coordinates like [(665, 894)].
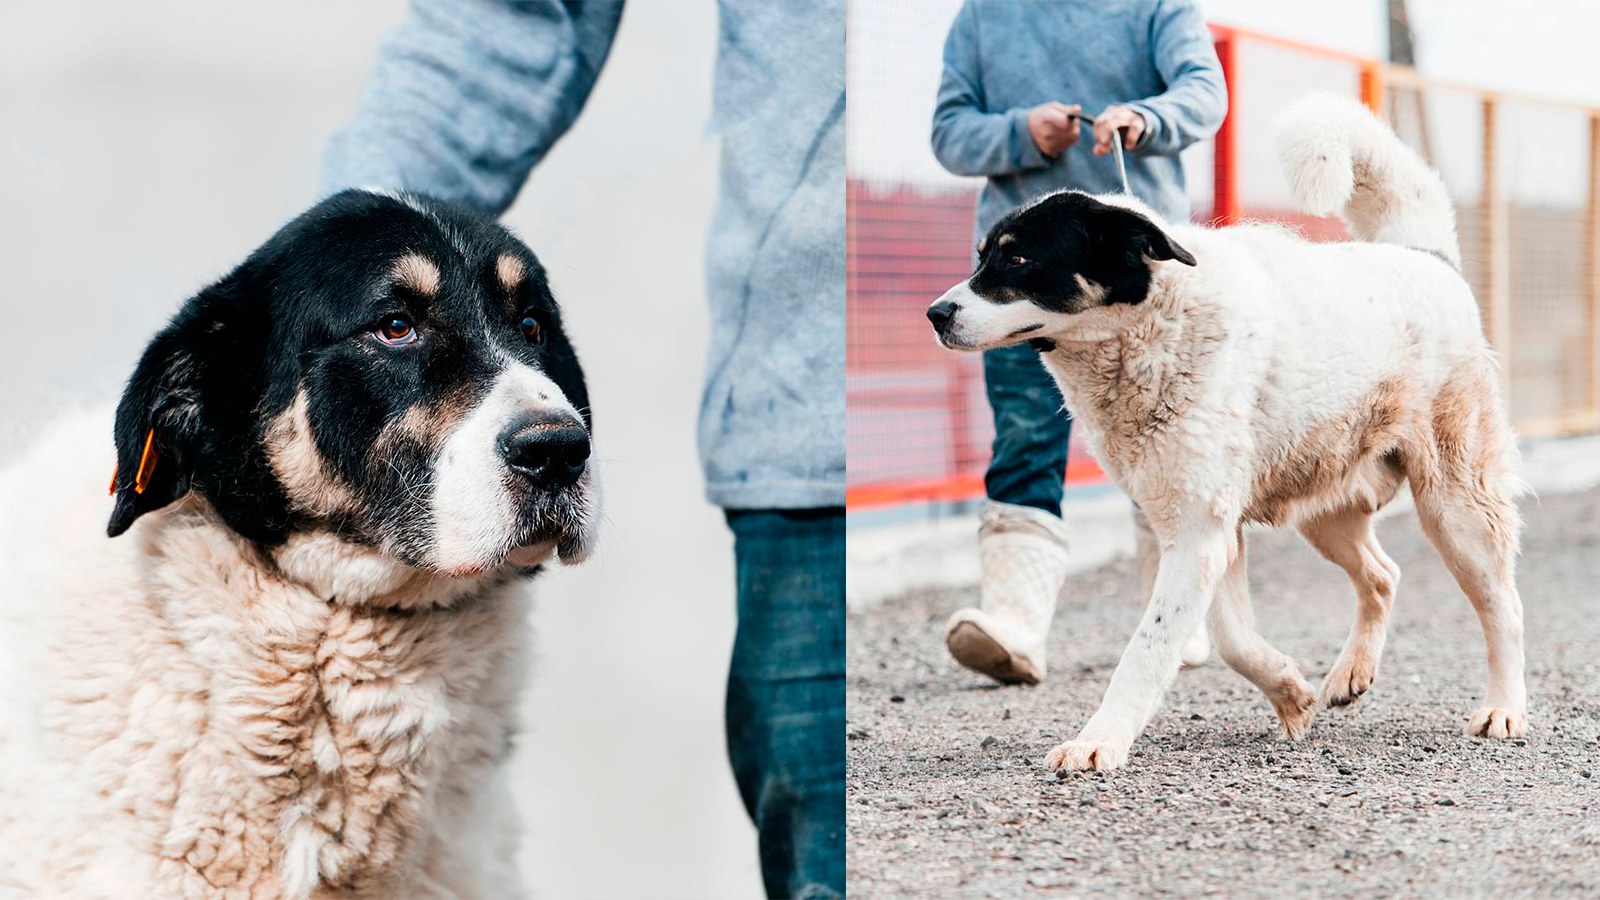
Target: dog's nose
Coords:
[(941, 313), (551, 451)]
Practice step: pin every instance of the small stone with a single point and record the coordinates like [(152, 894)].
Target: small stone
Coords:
[(1586, 773), (1196, 717), (1345, 770), (1006, 716), (987, 742), (1444, 801), (1520, 743), (896, 698), (858, 734), (1042, 878)]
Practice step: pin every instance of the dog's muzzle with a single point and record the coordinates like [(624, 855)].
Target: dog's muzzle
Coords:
[(943, 315), (551, 452)]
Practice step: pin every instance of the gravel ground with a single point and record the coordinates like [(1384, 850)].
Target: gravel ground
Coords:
[(948, 796)]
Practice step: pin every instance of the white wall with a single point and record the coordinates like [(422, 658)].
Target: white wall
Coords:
[(145, 148)]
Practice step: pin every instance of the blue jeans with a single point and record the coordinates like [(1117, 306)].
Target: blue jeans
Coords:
[(785, 713), (1029, 463)]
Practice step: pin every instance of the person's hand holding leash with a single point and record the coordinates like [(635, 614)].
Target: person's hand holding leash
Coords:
[(1053, 126), (1116, 117)]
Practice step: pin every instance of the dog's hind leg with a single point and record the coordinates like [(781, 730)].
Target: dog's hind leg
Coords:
[(1474, 525), (1233, 630), (1346, 539), (1465, 484)]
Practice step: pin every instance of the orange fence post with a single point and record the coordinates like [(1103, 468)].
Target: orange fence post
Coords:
[(1224, 183), (1372, 87), (1496, 248)]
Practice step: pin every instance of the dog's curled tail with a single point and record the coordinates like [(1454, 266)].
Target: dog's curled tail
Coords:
[(1341, 159)]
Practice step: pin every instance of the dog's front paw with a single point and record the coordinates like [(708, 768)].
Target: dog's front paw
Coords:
[(1086, 755), (1294, 704), (1349, 679), (1497, 723)]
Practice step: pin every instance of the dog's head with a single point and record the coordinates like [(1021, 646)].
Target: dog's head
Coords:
[(1044, 265), (386, 368)]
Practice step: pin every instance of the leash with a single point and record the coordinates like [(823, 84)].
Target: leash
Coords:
[(1116, 150)]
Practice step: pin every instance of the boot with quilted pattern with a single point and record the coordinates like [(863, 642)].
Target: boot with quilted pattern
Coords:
[(1024, 556)]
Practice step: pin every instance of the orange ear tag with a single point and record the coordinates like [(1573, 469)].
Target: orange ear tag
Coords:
[(112, 490), (147, 463)]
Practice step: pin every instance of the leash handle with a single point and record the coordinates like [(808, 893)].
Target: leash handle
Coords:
[(1116, 151)]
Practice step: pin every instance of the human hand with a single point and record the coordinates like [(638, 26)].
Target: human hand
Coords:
[(1052, 127), (1125, 118)]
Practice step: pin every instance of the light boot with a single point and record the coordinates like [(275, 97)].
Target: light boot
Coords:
[(1024, 556), (1146, 559)]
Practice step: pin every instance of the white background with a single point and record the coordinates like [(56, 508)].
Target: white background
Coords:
[(146, 148)]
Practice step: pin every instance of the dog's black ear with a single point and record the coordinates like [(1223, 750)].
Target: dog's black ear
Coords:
[(162, 429), (1122, 242), (1160, 246), (159, 422), (1141, 237)]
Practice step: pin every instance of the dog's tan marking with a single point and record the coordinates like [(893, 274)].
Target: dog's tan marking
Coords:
[(1006, 240), (425, 425), (509, 269), (416, 272), (983, 244), (305, 474), (1350, 461), (1468, 428)]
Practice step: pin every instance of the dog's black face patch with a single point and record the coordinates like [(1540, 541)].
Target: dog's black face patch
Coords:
[(1038, 253), (316, 384)]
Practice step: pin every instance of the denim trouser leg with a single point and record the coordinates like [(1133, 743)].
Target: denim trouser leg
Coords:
[(1029, 465), (785, 713)]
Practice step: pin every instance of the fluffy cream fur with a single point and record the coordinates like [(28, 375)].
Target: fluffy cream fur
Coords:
[(183, 718)]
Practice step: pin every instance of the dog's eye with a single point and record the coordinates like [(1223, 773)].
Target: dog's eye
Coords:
[(531, 328), (1019, 260), (396, 330)]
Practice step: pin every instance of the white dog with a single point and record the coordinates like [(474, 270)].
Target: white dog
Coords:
[(283, 659), (1244, 375)]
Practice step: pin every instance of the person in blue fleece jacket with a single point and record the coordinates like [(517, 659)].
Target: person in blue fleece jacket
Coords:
[(1014, 75), (466, 99)]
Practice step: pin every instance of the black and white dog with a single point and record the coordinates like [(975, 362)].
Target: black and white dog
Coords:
[(291, 668), (1238, 376)]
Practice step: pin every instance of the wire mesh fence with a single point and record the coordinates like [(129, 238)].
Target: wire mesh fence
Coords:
[(1524, 173)]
